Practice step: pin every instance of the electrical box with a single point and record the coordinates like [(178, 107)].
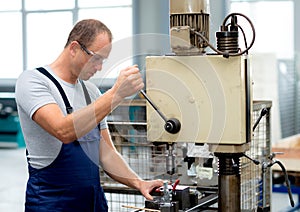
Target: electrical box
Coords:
[(209, 94)]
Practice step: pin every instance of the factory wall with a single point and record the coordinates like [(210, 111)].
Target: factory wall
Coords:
[(152, 18)]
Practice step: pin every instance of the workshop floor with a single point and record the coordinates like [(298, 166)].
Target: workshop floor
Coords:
[(13, 176)]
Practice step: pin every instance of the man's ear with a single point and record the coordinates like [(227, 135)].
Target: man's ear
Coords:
[(73, 47)]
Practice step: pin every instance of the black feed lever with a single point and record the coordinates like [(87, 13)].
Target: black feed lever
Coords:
[(274, 161), (172, 125), (263, 112)]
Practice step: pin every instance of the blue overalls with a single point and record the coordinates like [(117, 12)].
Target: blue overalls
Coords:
[(71, 183)]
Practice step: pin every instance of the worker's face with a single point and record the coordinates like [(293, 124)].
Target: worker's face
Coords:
[(95, 55)]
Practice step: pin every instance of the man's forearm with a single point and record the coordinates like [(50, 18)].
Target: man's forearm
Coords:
[(86, 119), (128, 83), (116, 167), (122, 173)]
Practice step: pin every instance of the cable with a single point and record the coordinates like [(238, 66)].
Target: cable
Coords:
[(228, 54)]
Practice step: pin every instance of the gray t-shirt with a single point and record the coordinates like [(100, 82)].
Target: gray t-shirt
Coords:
[(34, 90)]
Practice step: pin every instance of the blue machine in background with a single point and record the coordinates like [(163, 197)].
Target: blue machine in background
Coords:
[(10, 131)]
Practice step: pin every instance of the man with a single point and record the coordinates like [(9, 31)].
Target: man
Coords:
[(62, 133)]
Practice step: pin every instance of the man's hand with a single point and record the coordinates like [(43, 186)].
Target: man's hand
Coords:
[(129, 82), (146, 187)]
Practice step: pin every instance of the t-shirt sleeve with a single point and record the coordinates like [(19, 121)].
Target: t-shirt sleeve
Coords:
[(103, 124), (32, 92)]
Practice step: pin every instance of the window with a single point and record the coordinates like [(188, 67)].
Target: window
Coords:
[(36, 34), (117, 19), (46, 36), (274, 26), (11, 44), (275, 75)]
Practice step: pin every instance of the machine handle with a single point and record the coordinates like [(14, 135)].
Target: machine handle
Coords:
[(175, 185), (256, 162), (172, 125), (263, 112), (286, 180), (153, 105)]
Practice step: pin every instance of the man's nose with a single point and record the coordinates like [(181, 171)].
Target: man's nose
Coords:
[(98, 67)]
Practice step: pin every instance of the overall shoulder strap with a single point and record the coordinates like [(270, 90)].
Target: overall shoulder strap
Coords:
[(69, 108), (86, 93), (87, 97)]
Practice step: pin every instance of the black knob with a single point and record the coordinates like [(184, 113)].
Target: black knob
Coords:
[(172, 126)]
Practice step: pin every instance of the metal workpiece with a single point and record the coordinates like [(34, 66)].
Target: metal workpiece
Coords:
[(174, 198), (167, 196)]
